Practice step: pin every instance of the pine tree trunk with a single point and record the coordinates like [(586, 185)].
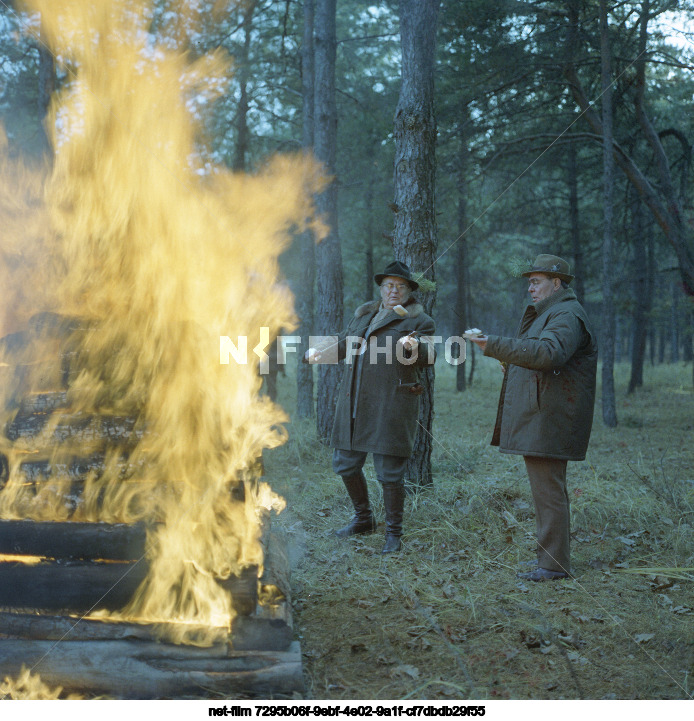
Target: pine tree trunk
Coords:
[(461, 269), (651, 286), (329, 306), (415, 170), (305, 297), (576, 247), (242, 134), (609, 406), (641, 298), (674, 322), (369, 285)]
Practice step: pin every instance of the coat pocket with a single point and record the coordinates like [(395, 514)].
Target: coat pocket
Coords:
[(410, 389), (534, 393)]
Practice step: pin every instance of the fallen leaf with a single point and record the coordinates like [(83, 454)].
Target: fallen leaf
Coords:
[(511, 653), (644, 637), (659, 583), (405, 670), (626, 541)]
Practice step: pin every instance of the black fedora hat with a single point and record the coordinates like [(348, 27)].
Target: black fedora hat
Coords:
[(551, 265), (397, 270)]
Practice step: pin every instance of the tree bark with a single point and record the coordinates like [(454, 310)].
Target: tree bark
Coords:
[(640, 295), (143, 670), (414, 181), (242, 134), (305, 295), (369, 239), (462, 262), (576, 247), (329, 309), (609, 406), (651, 287), (674, 322), (87, 541), (80, 587)]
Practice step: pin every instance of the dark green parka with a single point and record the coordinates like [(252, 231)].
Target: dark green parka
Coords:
[(548, 393), (378, 401)]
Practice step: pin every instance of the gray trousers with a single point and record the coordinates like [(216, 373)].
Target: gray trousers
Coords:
[(548, 485), (389, 469)]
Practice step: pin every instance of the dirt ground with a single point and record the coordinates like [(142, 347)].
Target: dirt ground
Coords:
[(447, 618)]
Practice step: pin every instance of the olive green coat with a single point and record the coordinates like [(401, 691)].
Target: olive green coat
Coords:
[(548, 394), (376, 409)]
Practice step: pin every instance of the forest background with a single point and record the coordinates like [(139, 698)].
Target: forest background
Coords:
[(508, 104), (560, 127)]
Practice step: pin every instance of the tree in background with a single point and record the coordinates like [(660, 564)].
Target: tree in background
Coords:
[(415, 172), (329, 302), (305, 296), (609, 405)]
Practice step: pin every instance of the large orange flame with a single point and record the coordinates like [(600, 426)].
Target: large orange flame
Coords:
[(161, 253)]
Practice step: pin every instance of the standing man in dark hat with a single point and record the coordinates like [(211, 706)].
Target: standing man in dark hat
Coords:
[(384, 346), (546, 405)]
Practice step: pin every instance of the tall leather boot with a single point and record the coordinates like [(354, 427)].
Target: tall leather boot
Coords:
[(394, 502), (363, 521)]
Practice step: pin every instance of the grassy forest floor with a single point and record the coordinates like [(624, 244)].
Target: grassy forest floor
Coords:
[(447, 618)]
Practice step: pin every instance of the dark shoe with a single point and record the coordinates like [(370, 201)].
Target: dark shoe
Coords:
[(394, 503), (542, 574), (363, 521), (392, 544)]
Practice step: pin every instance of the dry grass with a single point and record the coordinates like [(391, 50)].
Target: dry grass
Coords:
[(448, 618)]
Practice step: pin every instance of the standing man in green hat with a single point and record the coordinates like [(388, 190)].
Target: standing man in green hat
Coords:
[(384, 346), (546, 406)]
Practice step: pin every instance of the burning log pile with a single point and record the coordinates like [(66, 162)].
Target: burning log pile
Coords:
[(62, 580), (136, 558)]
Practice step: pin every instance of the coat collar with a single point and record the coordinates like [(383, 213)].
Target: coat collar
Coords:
[(414, 309), (535, 310), (549, 301)]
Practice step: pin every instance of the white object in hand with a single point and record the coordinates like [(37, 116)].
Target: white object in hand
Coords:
[(313, 355), (409, 342), (472, 333), (400, 310)]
